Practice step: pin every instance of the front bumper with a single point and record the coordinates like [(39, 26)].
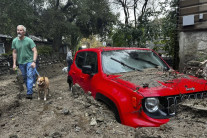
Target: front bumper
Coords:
[(167, 108), (168, 104), (141, 119)]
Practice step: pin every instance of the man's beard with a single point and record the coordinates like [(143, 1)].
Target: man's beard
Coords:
[(19, 35)]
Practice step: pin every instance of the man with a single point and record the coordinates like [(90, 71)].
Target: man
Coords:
[(25, 53), (69, 59)]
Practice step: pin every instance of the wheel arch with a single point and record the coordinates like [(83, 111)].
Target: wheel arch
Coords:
[(110, 103)]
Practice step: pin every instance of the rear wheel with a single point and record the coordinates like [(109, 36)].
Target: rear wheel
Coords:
[(70, 86), (70, 83)]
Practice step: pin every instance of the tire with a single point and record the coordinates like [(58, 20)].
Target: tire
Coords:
[(70, 83), (116, 114), (70, 86)]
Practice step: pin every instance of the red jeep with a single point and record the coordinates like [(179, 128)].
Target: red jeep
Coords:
[(136, 83)]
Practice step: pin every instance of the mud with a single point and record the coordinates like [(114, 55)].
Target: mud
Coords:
[(151, 77), (74, 114)]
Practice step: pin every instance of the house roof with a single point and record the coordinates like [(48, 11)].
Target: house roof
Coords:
[(35, 38), (5, 36)]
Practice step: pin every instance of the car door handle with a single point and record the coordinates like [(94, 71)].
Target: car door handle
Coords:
[(73, 72), (82, 78)]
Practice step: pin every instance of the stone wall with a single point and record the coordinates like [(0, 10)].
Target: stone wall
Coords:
[(5, 64), (196, 68), (193, 46), (43, 60)]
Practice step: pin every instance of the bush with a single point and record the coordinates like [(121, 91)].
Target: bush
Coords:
[(7, 54), (45, 50)]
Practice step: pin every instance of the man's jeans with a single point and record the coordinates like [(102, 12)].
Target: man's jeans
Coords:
[(28, 75), (70, 62)]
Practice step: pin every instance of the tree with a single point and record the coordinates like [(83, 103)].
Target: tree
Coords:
[(140, 25), (125, 5), (76, 19), (58, 21), (14, 12), (169, 25)]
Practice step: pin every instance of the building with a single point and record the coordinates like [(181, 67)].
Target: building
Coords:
[(192, 27), (5, 43)]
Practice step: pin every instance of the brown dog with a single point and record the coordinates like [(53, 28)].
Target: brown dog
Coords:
[(43, 86)]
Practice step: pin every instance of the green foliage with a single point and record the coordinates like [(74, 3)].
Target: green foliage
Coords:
[(42, 49), (169, 28), (122, 37), (55, 20), (160, 32), (45, 50), (7, 54), (14, 12)]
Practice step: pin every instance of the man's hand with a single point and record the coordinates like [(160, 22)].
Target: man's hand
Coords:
[(33, 65), (14, 67)]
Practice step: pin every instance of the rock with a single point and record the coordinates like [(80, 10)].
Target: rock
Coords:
[(59, 98), (56, 135), (99, 131), (93, 122), (77, 129), (193, 63), (90, 99), (66, 112), (49, 102), (2, 125), (100, 119), (13, 136), (89, 93), (87, 105)]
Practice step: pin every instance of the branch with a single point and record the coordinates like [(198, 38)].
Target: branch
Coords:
[(57, 4), (69, 3), (135, 17), (72, 18), (143, 9), (126, 11)]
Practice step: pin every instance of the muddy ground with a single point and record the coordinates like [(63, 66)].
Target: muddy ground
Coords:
[(72, 116)]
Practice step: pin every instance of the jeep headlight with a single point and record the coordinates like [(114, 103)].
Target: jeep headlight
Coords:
[(152, 104)]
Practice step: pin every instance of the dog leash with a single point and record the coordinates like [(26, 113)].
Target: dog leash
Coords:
[(37, 72), (35, 69)]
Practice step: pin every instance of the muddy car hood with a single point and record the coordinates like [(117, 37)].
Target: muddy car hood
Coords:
[(159, 83)]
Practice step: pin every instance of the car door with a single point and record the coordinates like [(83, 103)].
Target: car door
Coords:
[(76, 69), (90, 59)]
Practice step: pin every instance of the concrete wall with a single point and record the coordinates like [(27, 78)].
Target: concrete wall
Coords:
[(193, 46)]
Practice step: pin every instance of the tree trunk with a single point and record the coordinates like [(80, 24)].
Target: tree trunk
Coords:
[(135, 17), (57, 42)]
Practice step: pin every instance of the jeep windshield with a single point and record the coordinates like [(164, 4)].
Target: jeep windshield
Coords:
[(120, 61)]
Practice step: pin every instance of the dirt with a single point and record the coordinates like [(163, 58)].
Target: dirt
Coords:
[(74, 114), (151, 76)]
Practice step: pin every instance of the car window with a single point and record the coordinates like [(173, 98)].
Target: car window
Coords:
[(87, 58), (80, 57), (129, 60), (91, 59)]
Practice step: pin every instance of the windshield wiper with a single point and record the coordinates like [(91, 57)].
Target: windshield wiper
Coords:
[(124, 64), (147, 61)]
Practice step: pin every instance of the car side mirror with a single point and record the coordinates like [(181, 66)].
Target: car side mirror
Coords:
[(87, 69)]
